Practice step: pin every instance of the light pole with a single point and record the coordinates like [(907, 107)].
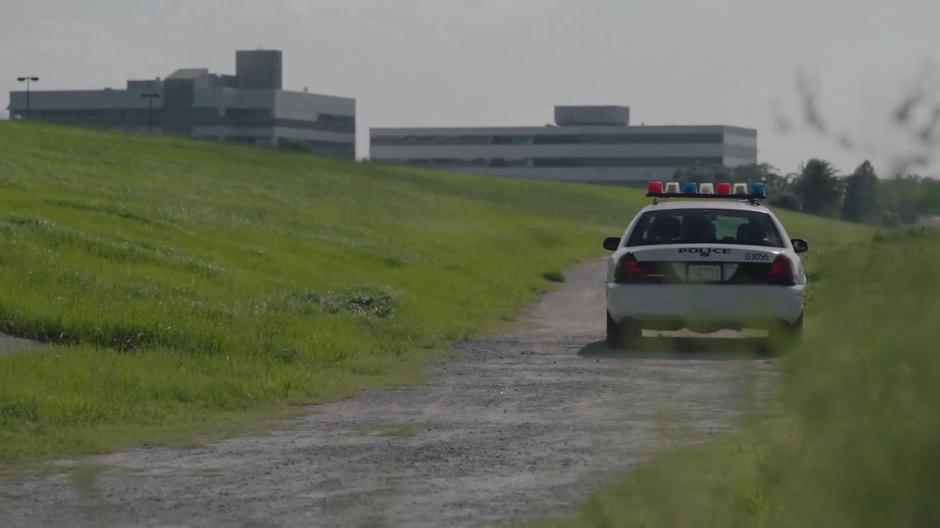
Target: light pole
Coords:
[(150, 97), (27, 79)]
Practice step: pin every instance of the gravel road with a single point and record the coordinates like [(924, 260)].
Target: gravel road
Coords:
[(13, 345), (522, 424)]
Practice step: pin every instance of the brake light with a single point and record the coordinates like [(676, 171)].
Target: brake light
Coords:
[(781, 272), (628, 269)]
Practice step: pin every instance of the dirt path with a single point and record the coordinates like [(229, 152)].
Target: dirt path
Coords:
[(524, 424), (12, 345)]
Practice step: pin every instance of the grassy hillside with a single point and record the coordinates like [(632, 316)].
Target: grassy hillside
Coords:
[(856, 438), (189, 284), (192, 281)]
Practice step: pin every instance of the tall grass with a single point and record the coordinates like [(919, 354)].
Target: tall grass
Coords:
[(856, 438)]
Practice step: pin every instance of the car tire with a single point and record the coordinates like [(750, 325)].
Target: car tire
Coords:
[(613, 331), (622, 334), (794, 332), (788, 335)]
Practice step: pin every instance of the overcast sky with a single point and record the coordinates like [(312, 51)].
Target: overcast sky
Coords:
[(507, 62)]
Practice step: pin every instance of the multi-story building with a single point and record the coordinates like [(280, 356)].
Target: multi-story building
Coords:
[(248, 107), (587, 143)]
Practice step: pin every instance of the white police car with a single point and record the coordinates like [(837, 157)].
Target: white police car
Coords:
[(713, 259)]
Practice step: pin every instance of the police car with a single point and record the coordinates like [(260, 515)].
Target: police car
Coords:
[(704, 258)]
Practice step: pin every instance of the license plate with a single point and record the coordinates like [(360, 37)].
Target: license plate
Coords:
[(710, 273)]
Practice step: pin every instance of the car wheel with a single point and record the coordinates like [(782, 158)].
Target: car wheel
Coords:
[(788, 335), (613, 332), (794, 332), (622, 334)]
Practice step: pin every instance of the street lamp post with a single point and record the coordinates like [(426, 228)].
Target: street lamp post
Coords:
[(150, 97), (27, 79)]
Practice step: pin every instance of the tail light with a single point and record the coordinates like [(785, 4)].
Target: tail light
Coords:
[(628, 269), (781, 272)]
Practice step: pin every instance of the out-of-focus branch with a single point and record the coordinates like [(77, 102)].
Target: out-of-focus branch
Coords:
[(916, 116), (808, 92)]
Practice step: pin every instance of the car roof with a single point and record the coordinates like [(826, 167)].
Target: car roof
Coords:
[(736, 205)]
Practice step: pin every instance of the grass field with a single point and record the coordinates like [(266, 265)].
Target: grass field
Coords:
[(189, 286), (856, 438)]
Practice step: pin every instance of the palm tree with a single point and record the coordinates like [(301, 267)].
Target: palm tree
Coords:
[(819, 190)]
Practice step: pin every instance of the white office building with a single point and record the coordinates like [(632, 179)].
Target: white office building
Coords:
[(248, 107), (587, 143)]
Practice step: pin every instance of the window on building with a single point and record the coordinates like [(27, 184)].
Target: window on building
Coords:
[(500, 162), (558, 139), (628, 139), (336, 118), (512, 140), (242, 113), (624, 162)]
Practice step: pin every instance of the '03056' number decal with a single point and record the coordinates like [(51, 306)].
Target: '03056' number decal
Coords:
[(757, 257)]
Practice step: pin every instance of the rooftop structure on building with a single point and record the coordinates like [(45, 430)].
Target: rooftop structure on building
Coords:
[(593, 144), (248, 107)]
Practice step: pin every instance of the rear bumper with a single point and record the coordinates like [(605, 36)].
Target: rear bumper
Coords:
[(665, 305)]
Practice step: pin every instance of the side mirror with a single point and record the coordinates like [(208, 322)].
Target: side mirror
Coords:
[(612, 243), (800, 245)]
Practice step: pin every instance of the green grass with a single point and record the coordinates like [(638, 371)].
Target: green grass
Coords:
[(854, 436), (190, 287)]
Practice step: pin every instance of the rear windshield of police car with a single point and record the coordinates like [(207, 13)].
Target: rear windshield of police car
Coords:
[(705, 226)]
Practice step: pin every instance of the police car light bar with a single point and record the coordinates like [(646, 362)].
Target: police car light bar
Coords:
[(725, 190)]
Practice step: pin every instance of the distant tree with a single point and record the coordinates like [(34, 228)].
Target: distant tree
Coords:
[(907, 198), (715, 173), (780, 189), (818, 188), (784, 200), (929, 199), (861, 203), (754, 173), (700, 173)]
